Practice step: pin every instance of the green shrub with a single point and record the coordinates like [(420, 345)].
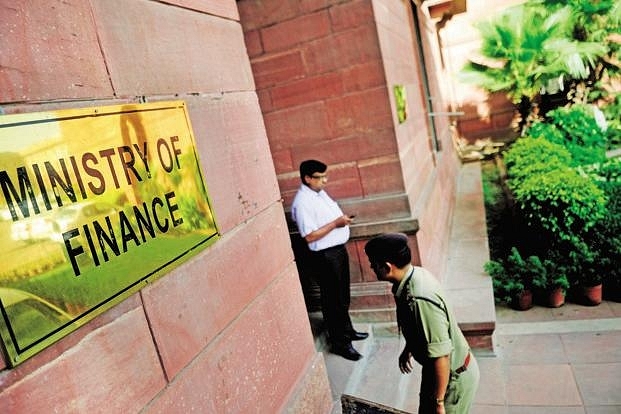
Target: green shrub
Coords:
[(575, 128), (607, 174), (567, 202), (528, 156), (510, 276), (580, 262), (605, 237), (549, 194), (514, 274), (505, 285), (548, 275), (562, 202)]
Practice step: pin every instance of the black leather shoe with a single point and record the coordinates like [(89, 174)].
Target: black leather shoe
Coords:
[(358, 336), (347, 352)]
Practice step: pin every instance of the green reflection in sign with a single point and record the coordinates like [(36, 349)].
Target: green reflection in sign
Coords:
[(94, 203)]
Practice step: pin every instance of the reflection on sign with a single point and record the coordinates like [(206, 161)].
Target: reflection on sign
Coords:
[(94, 203)]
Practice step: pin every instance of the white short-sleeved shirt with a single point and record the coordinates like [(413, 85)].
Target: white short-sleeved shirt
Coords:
[(312, 210)]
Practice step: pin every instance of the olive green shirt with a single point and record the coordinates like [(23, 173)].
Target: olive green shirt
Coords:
[(426, 320)]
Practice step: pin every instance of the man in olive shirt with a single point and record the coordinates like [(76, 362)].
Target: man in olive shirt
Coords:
[(450, 374)]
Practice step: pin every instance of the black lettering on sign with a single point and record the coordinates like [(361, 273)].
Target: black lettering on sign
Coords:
[(73, 179), (95, 239)]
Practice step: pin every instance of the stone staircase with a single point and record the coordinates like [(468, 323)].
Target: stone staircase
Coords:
[(375, 381)]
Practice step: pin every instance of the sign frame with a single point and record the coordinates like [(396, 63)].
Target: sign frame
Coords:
[(129, 178)]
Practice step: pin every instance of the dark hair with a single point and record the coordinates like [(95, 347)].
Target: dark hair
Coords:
[(310, 167), (402, 257), (390, 247)]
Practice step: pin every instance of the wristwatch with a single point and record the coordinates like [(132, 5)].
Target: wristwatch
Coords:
[(439, 401)]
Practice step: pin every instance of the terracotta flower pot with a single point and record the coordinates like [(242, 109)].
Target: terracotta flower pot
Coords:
[(523, 301), (555, 298), (591, 295)]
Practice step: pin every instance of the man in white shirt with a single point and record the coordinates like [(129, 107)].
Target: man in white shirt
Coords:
[(325, 228)]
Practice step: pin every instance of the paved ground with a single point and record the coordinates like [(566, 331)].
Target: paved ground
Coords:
[(564, 360)]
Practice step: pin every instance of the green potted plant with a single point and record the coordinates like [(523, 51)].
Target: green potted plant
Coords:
[(549, 281), (511, 281), (585, 274)]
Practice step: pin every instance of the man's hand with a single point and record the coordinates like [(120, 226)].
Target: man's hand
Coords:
[(405, 361), (343, 221), (327, 228)]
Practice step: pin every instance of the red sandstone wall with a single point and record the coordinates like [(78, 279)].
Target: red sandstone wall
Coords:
[(325, 72), (226, 331), (321, 85), (429, 174)]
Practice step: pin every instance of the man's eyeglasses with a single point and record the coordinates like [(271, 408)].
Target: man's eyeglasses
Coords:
[(319, 176)]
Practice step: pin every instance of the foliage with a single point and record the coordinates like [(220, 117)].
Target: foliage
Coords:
[(511, 276), (491, 188), (527, 45), (561, 202), (548, 276), (547, 46), (506, 286), (591, 20), (530, 156), (611, 111), (580, 262), (497, 212), (567, 218), (565, 201), (549, 194), (577, 129), (605, 237), (594, 21)]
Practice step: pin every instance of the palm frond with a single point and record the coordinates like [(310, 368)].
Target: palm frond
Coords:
[(575, 58)]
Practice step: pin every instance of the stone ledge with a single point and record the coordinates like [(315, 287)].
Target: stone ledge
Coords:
[(371, 295), (368, 230), (467, 286)]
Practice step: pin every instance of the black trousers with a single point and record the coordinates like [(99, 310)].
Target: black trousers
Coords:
[(334, 284)]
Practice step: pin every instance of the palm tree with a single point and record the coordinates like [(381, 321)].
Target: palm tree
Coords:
[(527, 50), (597, 21)]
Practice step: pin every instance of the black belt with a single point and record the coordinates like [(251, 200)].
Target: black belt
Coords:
[(465, 366), (337, 247)]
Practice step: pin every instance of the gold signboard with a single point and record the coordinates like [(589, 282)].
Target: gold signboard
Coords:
[(94, 203)]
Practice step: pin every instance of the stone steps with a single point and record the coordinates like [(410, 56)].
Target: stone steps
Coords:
[(376, 377)]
